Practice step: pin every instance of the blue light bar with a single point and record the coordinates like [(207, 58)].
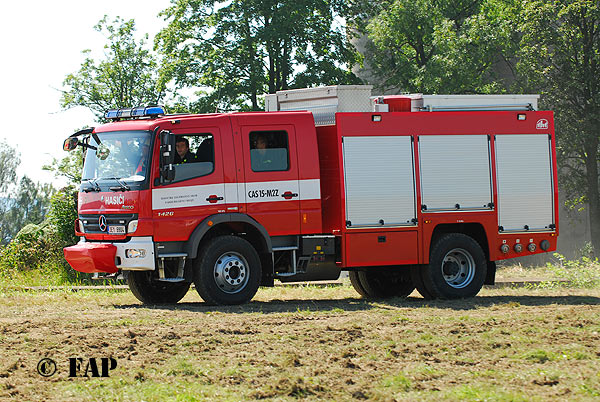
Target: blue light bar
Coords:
[(154, 110), (140, 111), (111, 114)]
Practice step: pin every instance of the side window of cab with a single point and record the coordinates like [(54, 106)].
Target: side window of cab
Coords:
[(269, 151), (194, 156)]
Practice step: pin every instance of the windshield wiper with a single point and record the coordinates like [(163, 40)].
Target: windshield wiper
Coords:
[(122, 185), (95, 186)]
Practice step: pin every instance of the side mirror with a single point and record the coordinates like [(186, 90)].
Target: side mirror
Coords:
[(70, 144), (167, 156)]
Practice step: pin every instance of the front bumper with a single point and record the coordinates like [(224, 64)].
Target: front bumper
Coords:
[(111, 257), (92, 257)]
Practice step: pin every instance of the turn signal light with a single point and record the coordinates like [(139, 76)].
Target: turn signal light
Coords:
[(518, 247), (132, 227), (504, 248), (531, 247)]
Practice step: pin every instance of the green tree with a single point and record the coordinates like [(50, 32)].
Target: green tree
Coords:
[(239, 50), (560, 57), (29, 205), (127, 76), (9, 161), (22, 203), (68, 167), (451, 46)]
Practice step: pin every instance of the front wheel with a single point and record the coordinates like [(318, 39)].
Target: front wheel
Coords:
[(457, 267), (227, 271), (149, 290)]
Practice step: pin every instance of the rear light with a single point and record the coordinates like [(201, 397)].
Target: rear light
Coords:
[(531, 247), (545, 245), (518, 247), (504, 248)]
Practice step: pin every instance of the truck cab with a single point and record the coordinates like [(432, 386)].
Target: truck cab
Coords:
[(155, 190)]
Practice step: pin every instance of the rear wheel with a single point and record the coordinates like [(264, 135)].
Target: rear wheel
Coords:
[(382, 283), (149, 290), (227, 271), (417, 278), (457, 267)]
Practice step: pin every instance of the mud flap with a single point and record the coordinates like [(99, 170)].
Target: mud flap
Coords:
[(490, 278)]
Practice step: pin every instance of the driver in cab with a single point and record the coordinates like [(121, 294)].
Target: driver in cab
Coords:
[(182, 145)]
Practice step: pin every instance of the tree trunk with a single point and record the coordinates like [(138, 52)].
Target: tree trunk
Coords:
[(593, 195)]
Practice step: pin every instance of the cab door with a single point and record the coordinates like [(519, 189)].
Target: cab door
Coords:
[(198, 189), (271, 177)]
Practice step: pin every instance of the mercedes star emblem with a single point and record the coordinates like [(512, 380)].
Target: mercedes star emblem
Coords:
[(102, 223)]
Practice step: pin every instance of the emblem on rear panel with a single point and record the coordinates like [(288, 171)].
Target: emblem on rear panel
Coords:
[(542, 124), (102, 223)]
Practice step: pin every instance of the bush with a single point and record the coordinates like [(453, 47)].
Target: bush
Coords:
[(40, 247), (581, 273), (62, 216)]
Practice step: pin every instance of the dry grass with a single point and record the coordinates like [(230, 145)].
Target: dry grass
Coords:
[(306, 343)]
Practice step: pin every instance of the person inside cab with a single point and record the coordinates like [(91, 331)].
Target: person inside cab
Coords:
[(182, 145), (144, 155), (260, 159)]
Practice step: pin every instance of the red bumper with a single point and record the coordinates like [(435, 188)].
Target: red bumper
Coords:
[(92, 257)]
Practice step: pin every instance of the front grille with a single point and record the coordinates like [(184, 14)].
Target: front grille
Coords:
[(91, 222)]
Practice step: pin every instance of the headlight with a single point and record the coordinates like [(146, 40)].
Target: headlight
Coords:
[(132, 227), (81, 226)]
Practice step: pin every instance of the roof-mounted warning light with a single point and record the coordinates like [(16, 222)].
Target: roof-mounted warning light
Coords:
[(134, 112)]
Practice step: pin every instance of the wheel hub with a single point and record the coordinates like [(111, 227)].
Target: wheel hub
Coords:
[(231, 272), (458, 268)]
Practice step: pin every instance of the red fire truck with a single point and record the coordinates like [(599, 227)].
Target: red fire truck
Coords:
[(404, 192)]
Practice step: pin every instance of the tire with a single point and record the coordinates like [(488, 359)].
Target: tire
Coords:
[(355, 281), (149, 290), (417, 279), (227, 271), (382, 283), (457, 267)]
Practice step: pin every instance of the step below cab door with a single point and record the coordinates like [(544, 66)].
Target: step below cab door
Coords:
[(272, 193)]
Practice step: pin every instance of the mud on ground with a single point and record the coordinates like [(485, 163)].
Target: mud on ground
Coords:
[(305, 343)]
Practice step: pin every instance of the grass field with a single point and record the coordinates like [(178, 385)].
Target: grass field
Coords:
[(305, 343)]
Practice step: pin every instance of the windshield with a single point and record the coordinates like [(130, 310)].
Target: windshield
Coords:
[(120, 155)]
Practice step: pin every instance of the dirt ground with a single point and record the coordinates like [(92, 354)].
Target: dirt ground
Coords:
[(304, 343)]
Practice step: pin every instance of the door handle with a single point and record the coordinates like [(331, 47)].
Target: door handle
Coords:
[(213, 198), (288, 195)]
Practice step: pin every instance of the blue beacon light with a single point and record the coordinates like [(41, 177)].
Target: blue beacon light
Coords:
[(140, 111)]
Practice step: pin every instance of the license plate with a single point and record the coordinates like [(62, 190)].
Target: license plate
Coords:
[(116, 229)]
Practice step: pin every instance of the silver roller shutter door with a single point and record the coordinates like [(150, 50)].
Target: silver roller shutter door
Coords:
[(379, 181), (455, 169), (525, 188)]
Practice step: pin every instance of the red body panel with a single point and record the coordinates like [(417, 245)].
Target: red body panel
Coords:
[(383, 247), (92, 257)]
